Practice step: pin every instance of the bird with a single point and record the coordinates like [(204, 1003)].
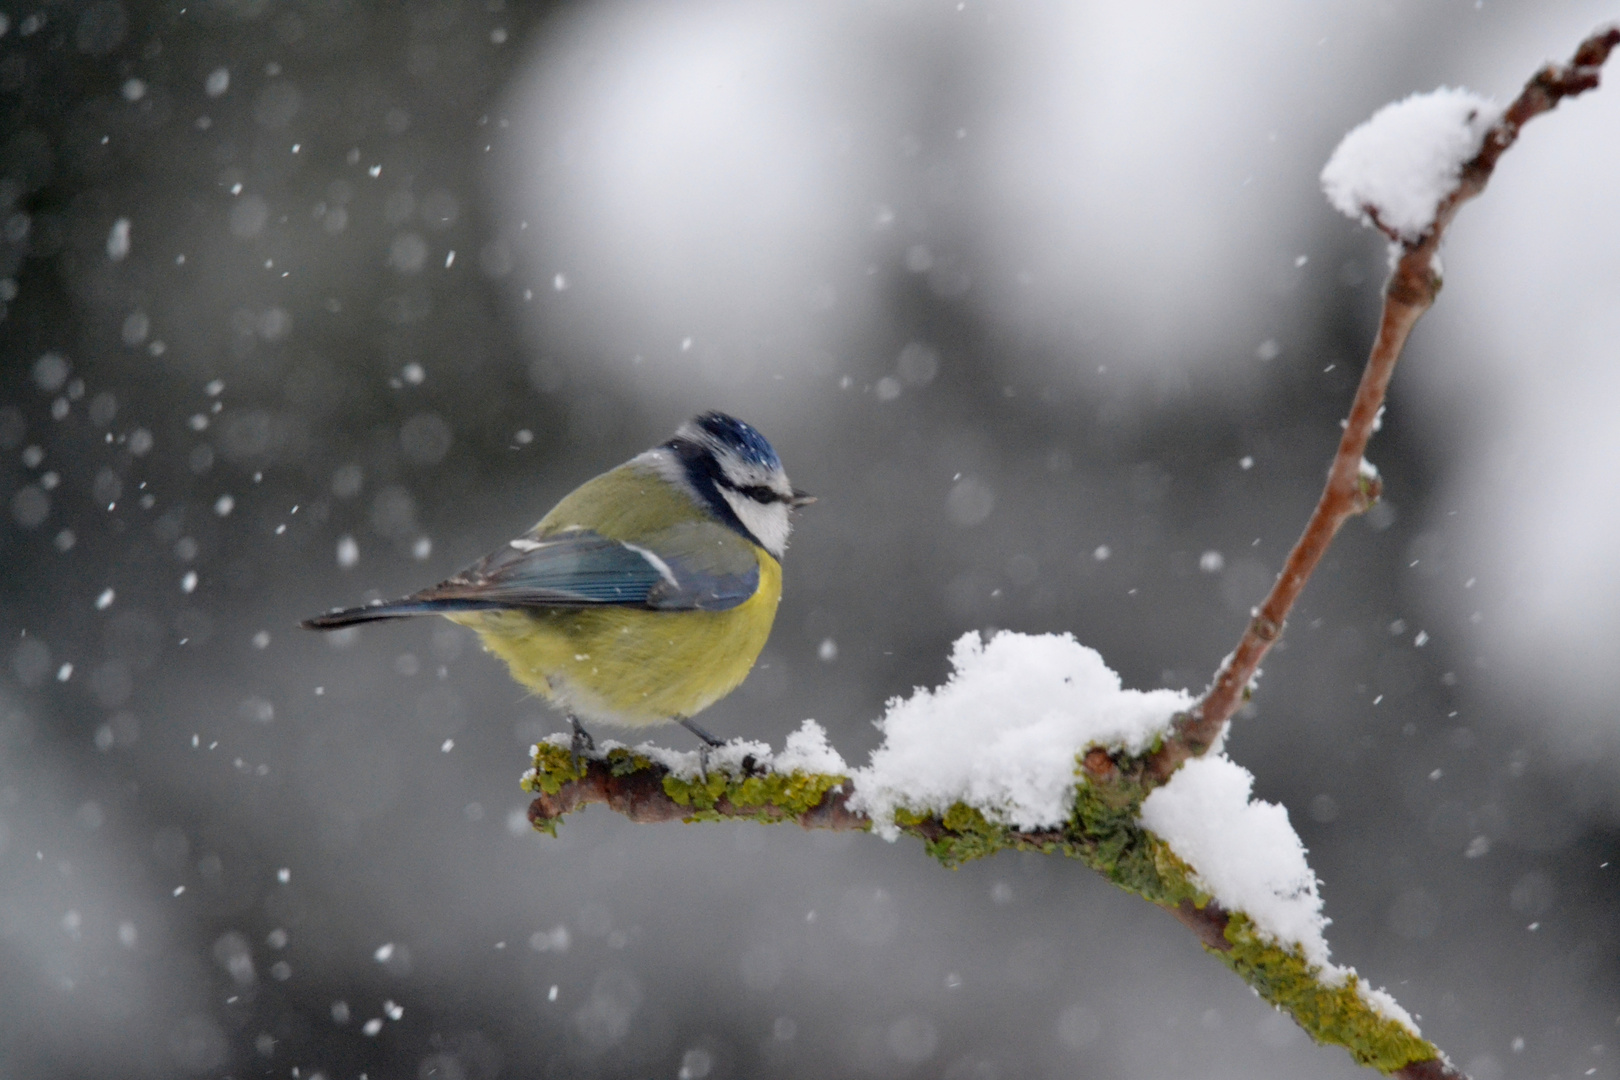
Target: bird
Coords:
[(644, 596)]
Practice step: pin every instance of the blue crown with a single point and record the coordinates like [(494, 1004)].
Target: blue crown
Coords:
[(739, 438)]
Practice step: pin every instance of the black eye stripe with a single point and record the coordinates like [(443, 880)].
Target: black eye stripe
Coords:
[(758, 492)]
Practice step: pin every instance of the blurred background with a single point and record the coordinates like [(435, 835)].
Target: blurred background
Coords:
[(303, 303)]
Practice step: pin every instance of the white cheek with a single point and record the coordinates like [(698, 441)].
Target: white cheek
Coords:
[(769, 523)]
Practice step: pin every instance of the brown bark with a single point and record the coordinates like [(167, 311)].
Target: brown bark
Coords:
[(1432, 1069)]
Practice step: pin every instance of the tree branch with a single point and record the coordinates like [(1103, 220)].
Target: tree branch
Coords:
[(1413, 285), (1105, 831)]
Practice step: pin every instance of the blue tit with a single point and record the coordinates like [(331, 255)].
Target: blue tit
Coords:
[(645, 595)]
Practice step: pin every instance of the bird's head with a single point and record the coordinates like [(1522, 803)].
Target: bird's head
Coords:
[(731, 468)]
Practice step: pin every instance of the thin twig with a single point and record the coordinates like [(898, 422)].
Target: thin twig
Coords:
[(1413, 284)]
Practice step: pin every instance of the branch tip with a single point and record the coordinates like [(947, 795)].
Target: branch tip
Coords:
[(1352, 486)]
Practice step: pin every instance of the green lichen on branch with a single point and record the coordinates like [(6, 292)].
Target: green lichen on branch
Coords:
[(1116, 846), (760, 796), (644, 789), (960, 835), (1104, 832), (1113, 842), (1329, 1013), (554, 766)]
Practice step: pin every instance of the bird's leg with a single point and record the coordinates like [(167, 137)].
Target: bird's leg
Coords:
[(699, 732), (703, 751), (581, 740)]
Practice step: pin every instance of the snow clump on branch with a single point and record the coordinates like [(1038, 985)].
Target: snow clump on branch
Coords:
[(1243, 851), (1003, 733), (1246, 854), (1400, 164)]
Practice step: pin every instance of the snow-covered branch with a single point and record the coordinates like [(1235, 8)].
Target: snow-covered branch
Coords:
[(1033, 744), (1229, 868)]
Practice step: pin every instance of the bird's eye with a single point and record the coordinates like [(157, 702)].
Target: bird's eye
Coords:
[(761, 494)]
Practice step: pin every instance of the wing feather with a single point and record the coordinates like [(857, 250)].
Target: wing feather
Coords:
[(691, 566)]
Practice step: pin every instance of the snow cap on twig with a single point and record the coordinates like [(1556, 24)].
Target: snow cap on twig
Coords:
[(1393, 171)]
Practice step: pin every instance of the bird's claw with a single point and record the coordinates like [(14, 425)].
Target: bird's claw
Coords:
[(581, 741), (706, 743)]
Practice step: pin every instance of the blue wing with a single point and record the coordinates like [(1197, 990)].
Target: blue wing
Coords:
[(694, 566), (578, 568)]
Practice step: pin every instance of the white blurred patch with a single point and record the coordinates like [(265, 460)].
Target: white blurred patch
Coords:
[(1521, 360), (1147, 166), (686, 173), (754, 178), (118, 240)]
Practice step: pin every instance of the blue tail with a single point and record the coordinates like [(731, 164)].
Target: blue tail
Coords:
[(397, 609)]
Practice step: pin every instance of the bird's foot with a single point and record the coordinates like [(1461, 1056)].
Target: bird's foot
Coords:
[(581, 741), (707, 744)]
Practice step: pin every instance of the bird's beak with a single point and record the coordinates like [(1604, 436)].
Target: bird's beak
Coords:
[(801, 498)]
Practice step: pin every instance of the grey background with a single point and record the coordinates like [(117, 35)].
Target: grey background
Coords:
[(1067, 238)]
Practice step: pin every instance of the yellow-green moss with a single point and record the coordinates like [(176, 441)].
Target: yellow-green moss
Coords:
[(762, 797), (1104, 833), (553, 767), (968, 834), (1118, 848), (1329, 1014), (775, 796)]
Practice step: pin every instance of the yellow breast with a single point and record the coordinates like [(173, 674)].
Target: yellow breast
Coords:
[(629, 666)]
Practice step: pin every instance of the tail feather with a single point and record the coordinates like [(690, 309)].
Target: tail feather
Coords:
[(397, 609)]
